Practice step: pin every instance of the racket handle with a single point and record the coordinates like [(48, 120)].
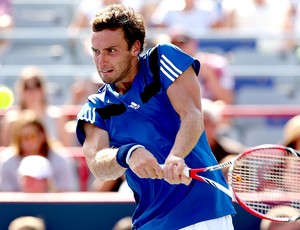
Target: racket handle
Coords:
[(186, 170)]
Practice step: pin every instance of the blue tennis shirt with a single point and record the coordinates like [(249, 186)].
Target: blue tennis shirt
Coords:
[(144, 115)]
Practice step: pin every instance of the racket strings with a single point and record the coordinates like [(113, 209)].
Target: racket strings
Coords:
[(267, 178)]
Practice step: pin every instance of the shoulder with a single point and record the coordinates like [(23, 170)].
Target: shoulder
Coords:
[(8, 156), (165, 48), (98, 99), (94, 101), (171, 55)]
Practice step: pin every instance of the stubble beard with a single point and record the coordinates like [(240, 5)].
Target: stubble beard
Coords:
[(124, 74)]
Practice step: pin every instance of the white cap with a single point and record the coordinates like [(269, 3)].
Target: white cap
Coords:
[(35, 166)]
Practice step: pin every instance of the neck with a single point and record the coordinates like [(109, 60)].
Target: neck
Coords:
[(123, 87)]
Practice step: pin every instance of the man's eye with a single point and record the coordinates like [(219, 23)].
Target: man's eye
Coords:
[(95, 51), (111, 50)]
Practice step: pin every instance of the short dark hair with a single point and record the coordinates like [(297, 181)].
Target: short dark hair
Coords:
[(120, 16)]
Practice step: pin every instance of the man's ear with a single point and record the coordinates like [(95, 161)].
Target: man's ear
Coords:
[(136, 48)]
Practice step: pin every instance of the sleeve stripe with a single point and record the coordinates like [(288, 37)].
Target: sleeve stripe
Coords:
[(164, 66), (89, 116), (166, 63), (167, 74)]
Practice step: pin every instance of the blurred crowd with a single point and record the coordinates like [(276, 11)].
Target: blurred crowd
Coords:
[(34, 127), (180, 24)]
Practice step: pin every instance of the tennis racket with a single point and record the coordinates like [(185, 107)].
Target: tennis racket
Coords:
[(260, 179)]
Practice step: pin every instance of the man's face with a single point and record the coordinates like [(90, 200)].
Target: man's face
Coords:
[(112, 57)]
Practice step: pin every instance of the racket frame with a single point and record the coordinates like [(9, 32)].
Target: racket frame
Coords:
[(193, 173)]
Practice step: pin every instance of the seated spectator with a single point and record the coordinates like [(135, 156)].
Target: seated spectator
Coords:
[(36, 174), (291, 133), (31, 93), (29, 137), (27, 223)]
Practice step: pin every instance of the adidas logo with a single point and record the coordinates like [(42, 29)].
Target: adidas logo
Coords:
[(134, 105)]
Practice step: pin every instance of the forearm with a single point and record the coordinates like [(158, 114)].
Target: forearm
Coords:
[(190, 130), (100, 158)]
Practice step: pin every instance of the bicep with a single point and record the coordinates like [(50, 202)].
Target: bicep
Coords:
[(95, 140), (185, 94)]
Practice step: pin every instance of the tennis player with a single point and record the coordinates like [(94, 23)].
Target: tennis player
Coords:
[(148, 113)]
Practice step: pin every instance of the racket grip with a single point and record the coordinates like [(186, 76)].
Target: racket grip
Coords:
[(186, 170)]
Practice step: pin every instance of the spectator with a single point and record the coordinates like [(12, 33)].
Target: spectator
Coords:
[(217, 83), (198, 16), (27, 223), (291, 133), (221, 145), (124, 223), (36, 174), (263, 18), (269, 225), (29, 137), (31, 94)]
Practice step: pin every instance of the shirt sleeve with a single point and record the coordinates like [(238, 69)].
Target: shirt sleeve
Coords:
[(88, 114), (173, 62)]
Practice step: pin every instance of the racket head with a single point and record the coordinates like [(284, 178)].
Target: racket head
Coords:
[(267, 177)]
